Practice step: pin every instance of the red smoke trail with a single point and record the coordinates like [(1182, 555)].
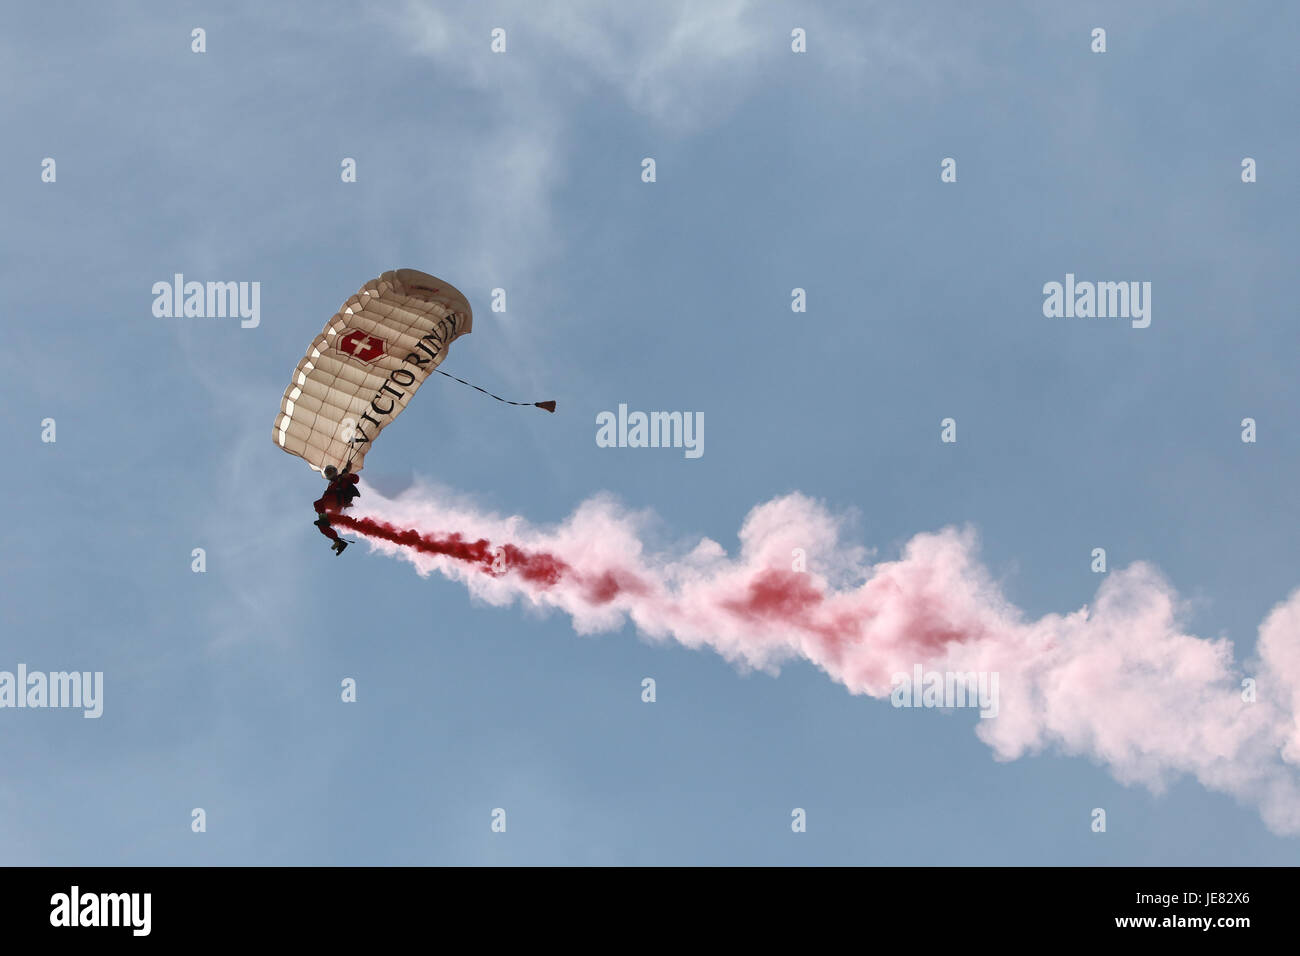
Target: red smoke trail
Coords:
[(543, 569), (1119, 680), (771, 597), (537, 568)]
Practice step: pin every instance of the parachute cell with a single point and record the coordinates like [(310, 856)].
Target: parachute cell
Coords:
[(361, 371)]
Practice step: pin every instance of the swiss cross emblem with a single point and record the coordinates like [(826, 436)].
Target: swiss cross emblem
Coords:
[(361, 345)]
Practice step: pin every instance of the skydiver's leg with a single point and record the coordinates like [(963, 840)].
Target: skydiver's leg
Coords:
[(323, 523)]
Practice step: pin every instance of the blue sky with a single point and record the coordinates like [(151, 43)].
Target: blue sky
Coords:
[(522, 171)]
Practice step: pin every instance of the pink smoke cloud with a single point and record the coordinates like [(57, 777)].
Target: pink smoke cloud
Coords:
[(1118, 681)]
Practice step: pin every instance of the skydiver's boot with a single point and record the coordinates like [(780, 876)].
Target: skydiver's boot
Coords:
[(339, 545)]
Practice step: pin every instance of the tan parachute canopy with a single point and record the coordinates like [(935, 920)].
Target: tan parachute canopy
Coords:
[(362, 370)]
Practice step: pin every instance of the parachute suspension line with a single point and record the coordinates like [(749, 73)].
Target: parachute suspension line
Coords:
[(548, 406)]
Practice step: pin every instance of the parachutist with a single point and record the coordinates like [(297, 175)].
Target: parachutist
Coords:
[(338, 497), (397, 330)]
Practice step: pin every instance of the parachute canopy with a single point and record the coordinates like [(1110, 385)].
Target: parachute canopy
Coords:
[(362, 370)]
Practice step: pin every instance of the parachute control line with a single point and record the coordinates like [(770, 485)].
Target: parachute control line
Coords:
[(547, 405)]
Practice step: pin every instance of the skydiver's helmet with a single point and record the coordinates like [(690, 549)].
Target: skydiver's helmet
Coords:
[(331, 472)]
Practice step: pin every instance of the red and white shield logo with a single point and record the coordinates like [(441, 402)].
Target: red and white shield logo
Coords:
[(361, 345)]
